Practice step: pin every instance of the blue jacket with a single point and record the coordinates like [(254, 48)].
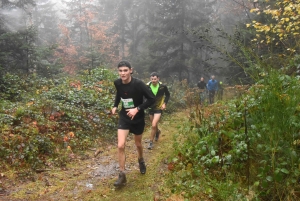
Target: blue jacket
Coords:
[(212, 85)]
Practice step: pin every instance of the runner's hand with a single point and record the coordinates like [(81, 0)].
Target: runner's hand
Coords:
[(113, 111), (163, 106), (132, 112)]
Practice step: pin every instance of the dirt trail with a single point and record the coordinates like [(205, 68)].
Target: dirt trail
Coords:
[(91, 178)]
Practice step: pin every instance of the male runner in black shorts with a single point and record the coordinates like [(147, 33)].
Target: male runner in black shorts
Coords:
[(131, 92), (162, 96)]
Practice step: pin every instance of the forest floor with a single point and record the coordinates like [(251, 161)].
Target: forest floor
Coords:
[(90, 177)]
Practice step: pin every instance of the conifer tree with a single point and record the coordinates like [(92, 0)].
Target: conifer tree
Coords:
[(170, 43), (17, 44)]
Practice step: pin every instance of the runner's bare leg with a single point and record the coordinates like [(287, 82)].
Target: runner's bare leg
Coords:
[(154, 125), (138, 144), (122, 135)]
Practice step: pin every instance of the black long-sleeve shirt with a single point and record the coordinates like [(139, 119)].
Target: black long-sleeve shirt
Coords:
[(132, 95), (201, 85)]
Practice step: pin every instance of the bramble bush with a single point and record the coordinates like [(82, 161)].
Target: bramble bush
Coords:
[(247, 148), (43, 119)]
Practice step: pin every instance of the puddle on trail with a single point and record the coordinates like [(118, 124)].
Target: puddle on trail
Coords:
[(104, 168), (99, 171)]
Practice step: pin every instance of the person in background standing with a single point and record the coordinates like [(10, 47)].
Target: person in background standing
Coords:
[(202, 87), (162, 96), (131, 92), (212, 87), (220, 90)]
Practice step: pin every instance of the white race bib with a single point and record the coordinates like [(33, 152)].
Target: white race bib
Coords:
[(127, 103)]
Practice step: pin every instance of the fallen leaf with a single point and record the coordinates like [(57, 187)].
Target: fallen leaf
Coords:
[(97, 152)]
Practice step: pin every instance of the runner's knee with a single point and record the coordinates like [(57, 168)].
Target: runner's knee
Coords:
[(121, 146), (154, 126), (138, 144)]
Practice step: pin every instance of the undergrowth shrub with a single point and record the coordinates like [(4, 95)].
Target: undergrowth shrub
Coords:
[(251, 142), (274, 131), (177, 96), (54, 116)]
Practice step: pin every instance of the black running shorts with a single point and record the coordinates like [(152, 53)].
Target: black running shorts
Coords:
[(152, 112), (137, 128)]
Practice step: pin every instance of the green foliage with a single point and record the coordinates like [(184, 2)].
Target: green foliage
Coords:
[(275, 127), (178, 95), (251, 142), (17, 49), (43, 119), (19, 54), (11, 87), (46, 65)]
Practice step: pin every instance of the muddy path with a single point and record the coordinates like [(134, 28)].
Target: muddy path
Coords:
[(90, 177)]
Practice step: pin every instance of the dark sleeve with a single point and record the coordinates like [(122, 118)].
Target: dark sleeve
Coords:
[(149, 97), (117, 97), (117, 100), (167, 95)]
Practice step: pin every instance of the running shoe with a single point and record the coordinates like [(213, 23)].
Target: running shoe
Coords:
[(150, 145), (121, 180), (157, 135), (142, 165)]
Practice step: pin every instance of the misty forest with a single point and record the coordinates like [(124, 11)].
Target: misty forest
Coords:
[(58, 63)]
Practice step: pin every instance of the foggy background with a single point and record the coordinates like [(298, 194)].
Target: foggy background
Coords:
[(178, 39)]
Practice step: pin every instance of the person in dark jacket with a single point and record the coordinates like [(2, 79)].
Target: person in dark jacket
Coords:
[(202, 87), (162, 96), (131, 92)]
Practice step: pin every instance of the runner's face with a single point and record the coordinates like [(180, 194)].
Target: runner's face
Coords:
[(154, 80), (125, 73)]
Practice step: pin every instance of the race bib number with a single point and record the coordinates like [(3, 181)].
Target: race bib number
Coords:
[(127, 103)]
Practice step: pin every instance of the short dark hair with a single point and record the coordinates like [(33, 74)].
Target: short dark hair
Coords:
[(124, 63), (153, 74)]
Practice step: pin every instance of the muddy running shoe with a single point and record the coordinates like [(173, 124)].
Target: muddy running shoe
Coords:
[(121, 180), (142, 165), (150, 145), (157, 135)]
